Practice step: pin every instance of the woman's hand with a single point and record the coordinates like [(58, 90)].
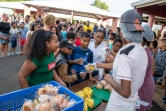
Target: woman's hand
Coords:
[(63, 84), (58, 79)]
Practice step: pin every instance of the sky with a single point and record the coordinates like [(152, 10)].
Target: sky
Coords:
[(115, 6)]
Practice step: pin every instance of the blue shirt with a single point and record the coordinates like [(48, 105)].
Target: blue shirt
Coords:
[(85, 54), (23, 32), (160, 61), (64, 34)]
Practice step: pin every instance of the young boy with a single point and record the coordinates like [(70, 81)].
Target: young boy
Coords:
[(117, 44), (80, 57), (23, 32), (161, 62), (160, 58), (71, 36), (13, 37), (64, 32), (62, 62)]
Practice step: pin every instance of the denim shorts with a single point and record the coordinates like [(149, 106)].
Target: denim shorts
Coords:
[(2, 41), (13, 43)]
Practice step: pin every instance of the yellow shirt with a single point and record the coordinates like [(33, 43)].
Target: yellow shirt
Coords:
[(88, 28)]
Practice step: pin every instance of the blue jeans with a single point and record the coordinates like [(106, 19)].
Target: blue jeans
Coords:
[(2, 41)]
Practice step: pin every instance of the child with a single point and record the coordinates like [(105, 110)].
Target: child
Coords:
[(112, 38), (34, 27), (13, 37), (62, 62), (153, 46), (160, 59), (81, 56), (39, 65), (97, 46), (23, 32), (117, 44), (71, 36), (78, 39), (64, 32)]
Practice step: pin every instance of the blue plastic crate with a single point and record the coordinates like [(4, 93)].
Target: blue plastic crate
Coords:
[(13, 101)]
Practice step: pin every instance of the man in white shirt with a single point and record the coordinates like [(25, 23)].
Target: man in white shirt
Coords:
[(129, 66), (27, 21)]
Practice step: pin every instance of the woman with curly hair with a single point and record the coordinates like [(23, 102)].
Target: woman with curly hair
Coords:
[(39, 65)]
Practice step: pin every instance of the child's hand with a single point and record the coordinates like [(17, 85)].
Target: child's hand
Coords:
[(82, 75), (80, 61), (92, 79), (73, 71), (75, 77)]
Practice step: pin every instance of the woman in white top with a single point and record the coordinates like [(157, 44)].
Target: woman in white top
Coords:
[(129, 66)]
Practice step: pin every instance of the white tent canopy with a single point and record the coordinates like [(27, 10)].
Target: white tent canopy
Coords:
[(67, 6)]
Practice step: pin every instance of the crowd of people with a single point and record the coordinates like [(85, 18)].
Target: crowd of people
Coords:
[(134, 58)]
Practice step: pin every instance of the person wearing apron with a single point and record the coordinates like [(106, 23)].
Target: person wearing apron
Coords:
[(129, 66)]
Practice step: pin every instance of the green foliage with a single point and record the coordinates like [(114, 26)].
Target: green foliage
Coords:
[(100, 4), (13, 0)]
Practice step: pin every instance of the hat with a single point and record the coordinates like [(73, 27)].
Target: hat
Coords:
[(67, 44), (132, 21), (148, 33)]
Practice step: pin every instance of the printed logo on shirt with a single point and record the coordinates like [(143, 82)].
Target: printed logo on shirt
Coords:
[(51, 66), (87, 54)]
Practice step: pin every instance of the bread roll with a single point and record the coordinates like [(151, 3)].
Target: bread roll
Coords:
[(99, 86), (58, 100), (28, 106), (51, 90), (45, 106), (103, 82), (64, 104), (44, 98), (41, 91), (70, 103)]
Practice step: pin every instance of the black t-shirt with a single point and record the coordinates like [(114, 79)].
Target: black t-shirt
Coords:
[(4, 27)]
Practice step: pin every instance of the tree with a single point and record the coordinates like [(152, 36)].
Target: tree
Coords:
[(13, 0), (100, 4)]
